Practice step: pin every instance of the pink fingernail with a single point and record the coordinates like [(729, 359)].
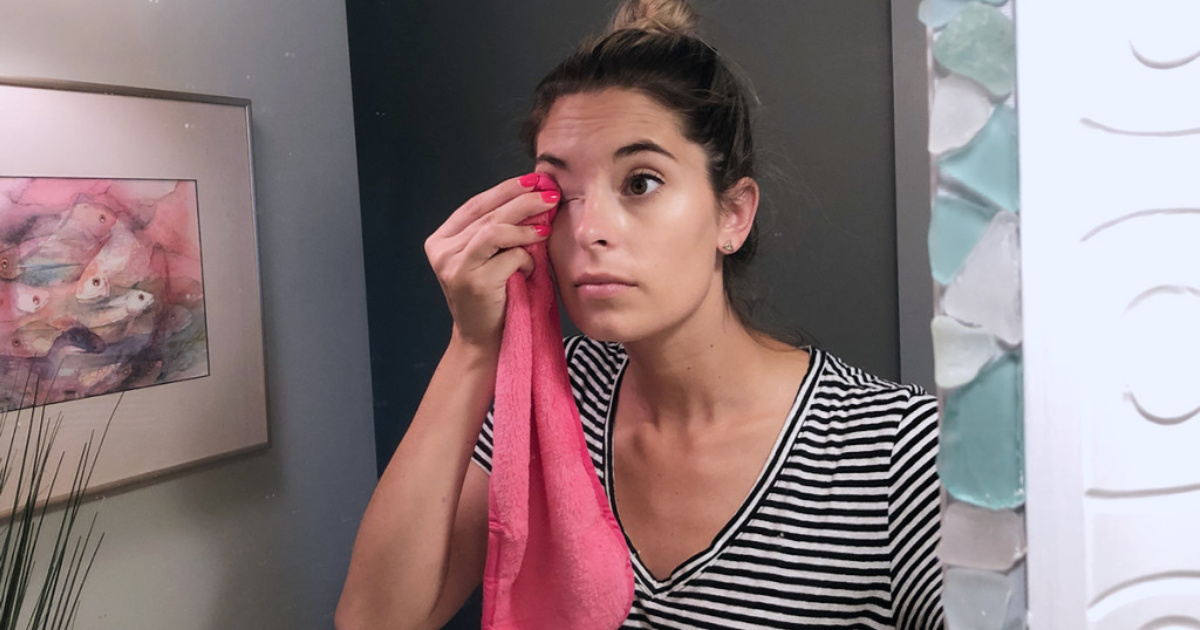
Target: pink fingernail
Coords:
[(542, 230), (546, 182), (550, 196), (528, 181)]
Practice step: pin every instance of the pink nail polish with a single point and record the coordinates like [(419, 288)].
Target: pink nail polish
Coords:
[(550, 196), (529, 181), (542, 230), (546, 182)]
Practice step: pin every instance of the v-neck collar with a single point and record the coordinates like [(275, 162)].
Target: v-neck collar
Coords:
[(689, 568)]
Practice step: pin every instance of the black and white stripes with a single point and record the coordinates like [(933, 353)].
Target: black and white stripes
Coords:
[(840, 529)]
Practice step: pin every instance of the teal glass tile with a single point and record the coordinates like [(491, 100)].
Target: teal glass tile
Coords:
[(981, 458), (988, 164), (980, 43), (955, 225), (984, 600), (986, 291), (938, 13)]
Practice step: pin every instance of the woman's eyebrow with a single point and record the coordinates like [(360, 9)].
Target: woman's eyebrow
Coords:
[(630, 149), (552, 160), (639, 147)]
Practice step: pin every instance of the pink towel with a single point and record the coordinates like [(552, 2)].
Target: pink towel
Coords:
[(556, 558)]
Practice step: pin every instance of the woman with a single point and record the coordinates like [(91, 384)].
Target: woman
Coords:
[(758, 484)]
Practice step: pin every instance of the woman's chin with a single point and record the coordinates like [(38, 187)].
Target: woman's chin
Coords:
[(602, 333), (604, 327)]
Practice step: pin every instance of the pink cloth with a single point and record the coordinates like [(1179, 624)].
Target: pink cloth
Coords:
[(556, 558)]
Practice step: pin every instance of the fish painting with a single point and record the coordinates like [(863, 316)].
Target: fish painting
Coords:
[(123, 259), (101, 286), (18, 300), (32, 340), (62, 255), (41, 372), (114, 309), (10, 261)]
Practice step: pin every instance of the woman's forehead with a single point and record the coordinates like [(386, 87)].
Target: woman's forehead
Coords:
[(601, 122)]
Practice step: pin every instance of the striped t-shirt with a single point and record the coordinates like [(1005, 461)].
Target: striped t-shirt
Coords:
[(839, 530)]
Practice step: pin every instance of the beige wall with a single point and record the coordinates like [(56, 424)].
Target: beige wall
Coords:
[(259, 541)]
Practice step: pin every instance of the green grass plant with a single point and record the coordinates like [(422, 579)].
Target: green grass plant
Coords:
[(44, 597)]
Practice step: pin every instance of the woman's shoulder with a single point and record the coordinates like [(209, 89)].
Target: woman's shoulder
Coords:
[(854, 387), (851, 400), (840, 373)]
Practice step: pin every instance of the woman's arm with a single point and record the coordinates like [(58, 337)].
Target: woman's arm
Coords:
[(914, 520), (423, 539), (422, 543)]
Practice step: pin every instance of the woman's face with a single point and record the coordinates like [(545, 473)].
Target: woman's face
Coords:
[(635, 241)]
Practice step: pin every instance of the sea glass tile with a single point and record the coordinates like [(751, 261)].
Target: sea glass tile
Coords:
[(987, 289), (980, 43), (955, 226), (988, 164), (959, 351), (981, 458), (938, 13), (984, 600), (959, 111), (979, 538)]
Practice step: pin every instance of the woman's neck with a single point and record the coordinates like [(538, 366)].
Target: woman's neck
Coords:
[(708, 374)]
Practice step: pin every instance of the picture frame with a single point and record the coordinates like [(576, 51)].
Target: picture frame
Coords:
[(90, 140)]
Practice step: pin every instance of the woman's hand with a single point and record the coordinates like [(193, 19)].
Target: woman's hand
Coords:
[(476, 250), (422, 545)]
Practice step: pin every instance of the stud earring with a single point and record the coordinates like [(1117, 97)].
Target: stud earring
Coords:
[(728, 246)]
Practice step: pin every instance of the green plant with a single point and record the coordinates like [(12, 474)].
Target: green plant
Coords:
[(58, 584)]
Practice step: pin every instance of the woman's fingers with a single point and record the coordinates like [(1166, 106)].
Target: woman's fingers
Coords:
[(481, 245), (508, 262), (525, 206), (477, 300), (481, 204), (497, 237), (491, 199), (490, 232)]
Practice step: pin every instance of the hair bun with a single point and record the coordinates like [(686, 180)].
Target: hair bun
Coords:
[(669, 17)]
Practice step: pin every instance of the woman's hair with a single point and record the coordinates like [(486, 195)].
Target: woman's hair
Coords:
[(652, 48)]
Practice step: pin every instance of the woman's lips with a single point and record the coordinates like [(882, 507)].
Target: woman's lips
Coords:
[(596, 286), (602, 290)]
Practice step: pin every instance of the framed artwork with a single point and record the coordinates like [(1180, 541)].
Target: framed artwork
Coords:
[(129, 269)]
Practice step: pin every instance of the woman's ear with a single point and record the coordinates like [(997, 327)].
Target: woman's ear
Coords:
[(739, 205)]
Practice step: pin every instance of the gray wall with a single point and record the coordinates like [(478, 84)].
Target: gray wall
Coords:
[(260, 541)]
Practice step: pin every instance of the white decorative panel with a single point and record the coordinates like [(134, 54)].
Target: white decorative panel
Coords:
[(1139, 287), (1110, 180), (1135, 542), (1138, 612)]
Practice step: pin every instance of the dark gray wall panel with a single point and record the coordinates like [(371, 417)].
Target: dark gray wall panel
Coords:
[(440, 88)]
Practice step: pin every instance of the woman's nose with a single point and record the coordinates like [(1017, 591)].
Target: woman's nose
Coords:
[(596, 220)]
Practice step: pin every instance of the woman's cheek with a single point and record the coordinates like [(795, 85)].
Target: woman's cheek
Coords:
[(554, 244)]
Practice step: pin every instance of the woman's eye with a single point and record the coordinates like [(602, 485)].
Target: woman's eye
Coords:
[(643, 183)]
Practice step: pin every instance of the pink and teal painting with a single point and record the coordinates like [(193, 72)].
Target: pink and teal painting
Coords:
[(100, 287)]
